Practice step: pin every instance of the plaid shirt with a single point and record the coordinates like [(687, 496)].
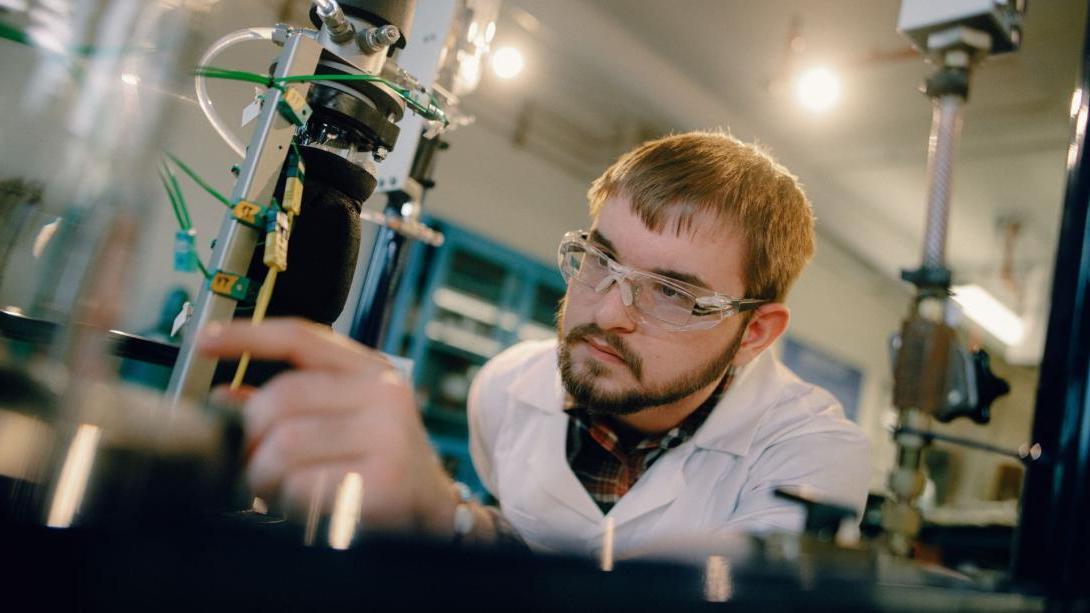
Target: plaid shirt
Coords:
[(608, 458)]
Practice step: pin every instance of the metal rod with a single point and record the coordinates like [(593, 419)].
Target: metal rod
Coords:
[(380, 281), (387, 259), (235, 244), (965, 442)]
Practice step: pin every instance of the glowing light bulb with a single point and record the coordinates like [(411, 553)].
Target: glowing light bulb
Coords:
[(507, 62), (818, 89)]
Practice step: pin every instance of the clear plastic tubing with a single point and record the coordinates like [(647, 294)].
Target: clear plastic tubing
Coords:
[(201, 84)]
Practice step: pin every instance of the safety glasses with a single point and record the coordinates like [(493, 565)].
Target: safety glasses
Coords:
[(659, 300)]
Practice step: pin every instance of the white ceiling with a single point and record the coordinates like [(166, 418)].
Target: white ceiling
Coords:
[(603, 74)]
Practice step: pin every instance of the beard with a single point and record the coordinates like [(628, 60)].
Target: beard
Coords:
[(582, 383)]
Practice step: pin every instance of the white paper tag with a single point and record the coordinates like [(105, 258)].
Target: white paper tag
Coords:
[(252, 110), (182, 318)]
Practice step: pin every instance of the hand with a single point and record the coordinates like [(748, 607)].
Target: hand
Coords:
[(343, 410)]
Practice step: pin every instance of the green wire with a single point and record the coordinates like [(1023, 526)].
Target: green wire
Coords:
[(199, 181), (177, 202), (173, 202), (180, 196), (12, 33), (200, 264), (214, 72), (430, 111), (303, 78)]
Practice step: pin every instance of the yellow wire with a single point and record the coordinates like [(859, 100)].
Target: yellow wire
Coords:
[(262, 304), (264, 296)]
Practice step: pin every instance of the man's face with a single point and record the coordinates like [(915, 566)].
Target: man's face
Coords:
[(610, 360)]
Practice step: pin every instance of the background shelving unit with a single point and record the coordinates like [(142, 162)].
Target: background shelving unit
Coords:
[(459, 305)]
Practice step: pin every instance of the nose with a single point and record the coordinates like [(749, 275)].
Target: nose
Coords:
[(611, 312)]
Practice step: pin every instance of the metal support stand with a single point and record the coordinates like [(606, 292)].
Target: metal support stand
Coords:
[(236, 242), (927, 346), (399, 227)]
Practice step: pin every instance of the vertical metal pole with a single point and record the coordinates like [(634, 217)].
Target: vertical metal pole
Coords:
[(388, 252), (1054, 532), (921, 364), (235, 244), (380, 281)]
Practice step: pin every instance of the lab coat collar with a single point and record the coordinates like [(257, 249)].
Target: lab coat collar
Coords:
[(733, 423), (539, 385), (731, 426)]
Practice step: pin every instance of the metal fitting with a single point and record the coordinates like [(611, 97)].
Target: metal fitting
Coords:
[(376, 39), (380, 153), (331, 14), (282, 33)]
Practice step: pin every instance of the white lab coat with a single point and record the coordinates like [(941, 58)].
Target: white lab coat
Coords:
[(770, 429)]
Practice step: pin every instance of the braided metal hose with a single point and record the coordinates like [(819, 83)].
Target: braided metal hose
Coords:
[(945, 127)]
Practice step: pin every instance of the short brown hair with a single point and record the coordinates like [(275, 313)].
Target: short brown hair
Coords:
[(676, 177)]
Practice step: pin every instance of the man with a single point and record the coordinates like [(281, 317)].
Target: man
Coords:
[(658, 411)]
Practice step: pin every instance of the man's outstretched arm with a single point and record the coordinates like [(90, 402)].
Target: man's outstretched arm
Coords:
[(343, 409)]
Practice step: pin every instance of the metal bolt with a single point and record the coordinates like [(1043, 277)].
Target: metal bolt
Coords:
[(375, 39), (380, 153)]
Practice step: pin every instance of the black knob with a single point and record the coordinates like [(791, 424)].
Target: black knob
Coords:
[(989, 387)]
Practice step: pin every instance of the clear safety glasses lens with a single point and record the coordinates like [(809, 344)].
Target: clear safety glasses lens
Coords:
[(660, 301)]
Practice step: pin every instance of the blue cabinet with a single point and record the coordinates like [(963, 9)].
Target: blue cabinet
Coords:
[(458, 305)]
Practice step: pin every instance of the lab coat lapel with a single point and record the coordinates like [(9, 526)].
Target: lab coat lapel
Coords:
[(730, 428), (659, 486), (540, 388), (549, 465)]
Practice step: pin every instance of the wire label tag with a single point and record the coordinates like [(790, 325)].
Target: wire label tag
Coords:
[(276, 241), (293, 106), (249, 213), (233, 286), (185, 250)]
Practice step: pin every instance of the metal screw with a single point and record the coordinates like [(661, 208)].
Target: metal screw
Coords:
[(375, 39), (380, 153)]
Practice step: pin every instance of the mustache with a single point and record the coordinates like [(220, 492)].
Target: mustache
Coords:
[(613, 340)]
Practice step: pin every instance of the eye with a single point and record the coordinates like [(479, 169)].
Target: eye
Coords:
[(667, 291)]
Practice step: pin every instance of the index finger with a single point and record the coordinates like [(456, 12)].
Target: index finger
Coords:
[(299, 342)]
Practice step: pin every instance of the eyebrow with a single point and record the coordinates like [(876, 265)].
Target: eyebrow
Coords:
[(684, 277)]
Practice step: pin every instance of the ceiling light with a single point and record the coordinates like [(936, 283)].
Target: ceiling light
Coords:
[(989, 313), (507, 62), (818, 89)]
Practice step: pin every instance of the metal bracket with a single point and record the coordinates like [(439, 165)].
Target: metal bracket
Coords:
[(236, 242)]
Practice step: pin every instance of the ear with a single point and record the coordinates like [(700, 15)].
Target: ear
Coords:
[(765, 326)]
